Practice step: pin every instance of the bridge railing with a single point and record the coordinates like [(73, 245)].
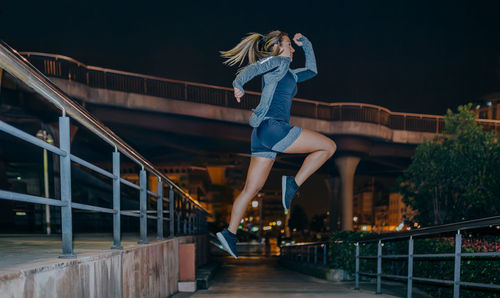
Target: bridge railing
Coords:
[(388, 247), (184, 215), (97, 77), (315, 253), (480, 226)]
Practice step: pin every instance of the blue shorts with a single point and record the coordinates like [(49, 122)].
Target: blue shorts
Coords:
[(273, 136)]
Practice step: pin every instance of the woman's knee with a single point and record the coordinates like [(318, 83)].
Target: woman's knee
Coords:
[(250, 191), (331, 147)]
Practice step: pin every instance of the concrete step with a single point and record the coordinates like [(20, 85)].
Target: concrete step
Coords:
[(205, 274)]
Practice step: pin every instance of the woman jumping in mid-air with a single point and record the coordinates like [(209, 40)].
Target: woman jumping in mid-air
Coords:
[(270, 56)]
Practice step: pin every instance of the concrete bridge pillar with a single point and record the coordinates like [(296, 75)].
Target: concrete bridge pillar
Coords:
[(346, 166)]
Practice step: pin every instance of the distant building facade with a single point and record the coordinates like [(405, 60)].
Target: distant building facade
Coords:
[(489, 107)]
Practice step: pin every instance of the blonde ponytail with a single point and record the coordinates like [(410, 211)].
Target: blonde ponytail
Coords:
[(248, 47), (254, 47)]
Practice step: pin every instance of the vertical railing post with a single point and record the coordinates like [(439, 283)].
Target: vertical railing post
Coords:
[(178, 215), (308, 255), (190, 223), (198, 224), (116, 201), (458, 252), (410, 267), (171, 211), (193, 220), (205, 223), (315, 254), (356, 284), (65, 169), (143, 207), (379, 267), (197, 217), (198, 221), (159, 207), (184, 217), (324, 254)]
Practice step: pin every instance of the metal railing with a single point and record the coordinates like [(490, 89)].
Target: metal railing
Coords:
[(98, 77), (315, 253), (457, 256), (185, 215)]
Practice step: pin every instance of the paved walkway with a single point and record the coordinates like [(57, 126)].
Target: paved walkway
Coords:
[(263, 277)]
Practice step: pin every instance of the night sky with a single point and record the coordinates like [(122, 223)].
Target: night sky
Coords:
[(408, 56)]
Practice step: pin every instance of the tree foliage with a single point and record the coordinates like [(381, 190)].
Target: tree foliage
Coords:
[(456, 176)]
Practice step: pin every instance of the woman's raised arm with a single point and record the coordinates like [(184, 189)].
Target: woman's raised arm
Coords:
[(262, 66), (310, 70)]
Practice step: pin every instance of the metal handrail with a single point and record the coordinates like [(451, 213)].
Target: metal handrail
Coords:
[(445, 228), (14, 63), (186, 216), (436, 230), (295, 252), (306, 243)]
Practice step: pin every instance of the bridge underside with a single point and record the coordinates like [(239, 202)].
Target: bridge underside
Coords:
[(163, 137)]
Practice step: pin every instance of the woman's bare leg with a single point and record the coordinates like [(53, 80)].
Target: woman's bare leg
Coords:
[(320, 147), (258, 171)]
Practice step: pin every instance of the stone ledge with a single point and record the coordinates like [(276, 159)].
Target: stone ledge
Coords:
[(205, 274)]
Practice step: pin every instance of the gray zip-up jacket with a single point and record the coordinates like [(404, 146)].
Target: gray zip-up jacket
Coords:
[(274, 69)]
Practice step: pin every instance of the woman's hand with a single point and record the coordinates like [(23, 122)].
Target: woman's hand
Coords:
[(296, 38), (238, 94)]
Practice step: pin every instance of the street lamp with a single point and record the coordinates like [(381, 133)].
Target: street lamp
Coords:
[(46, 137), (355, 220)]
